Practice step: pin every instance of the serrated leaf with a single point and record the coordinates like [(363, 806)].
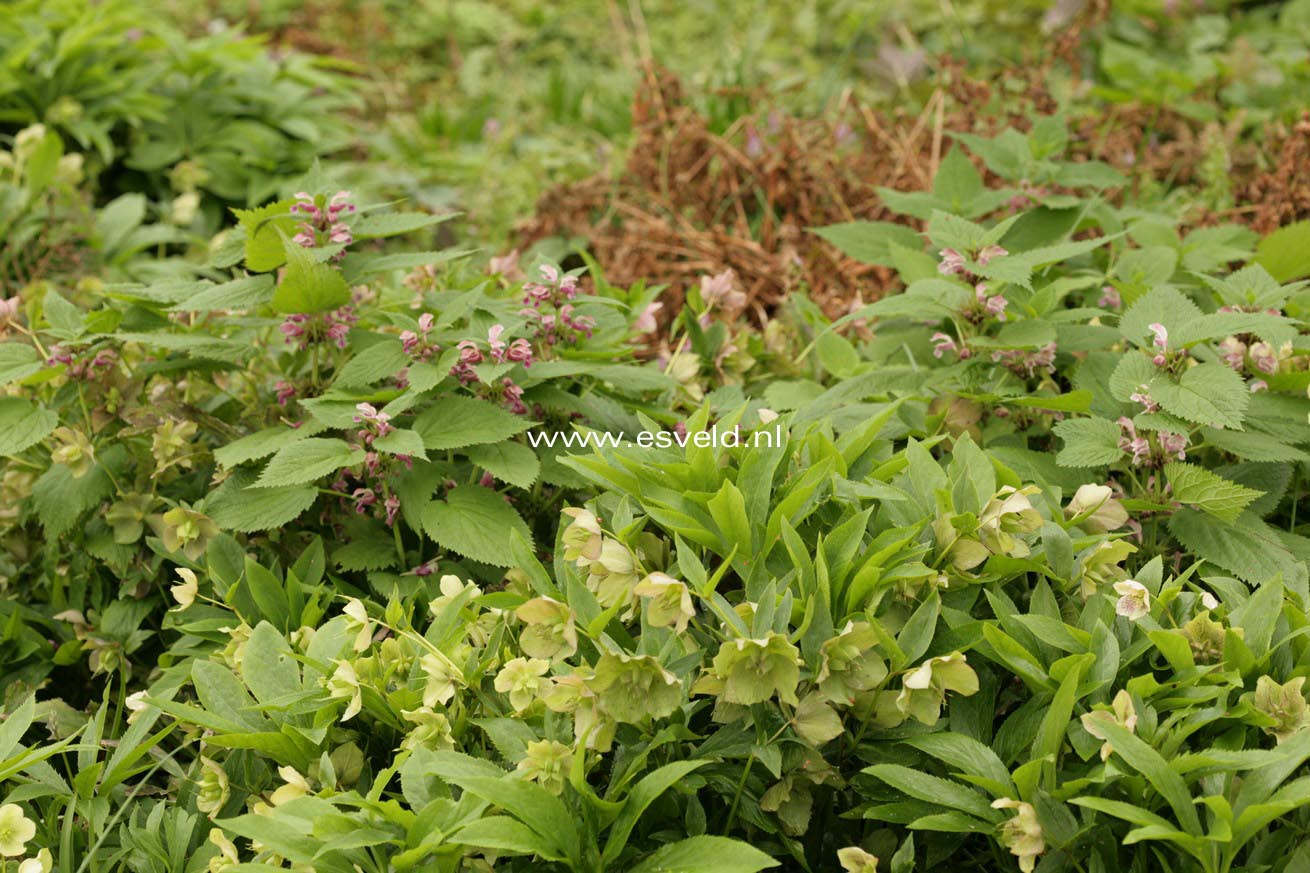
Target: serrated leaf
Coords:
[(308, 286), (23, 424), (64, 317), (455, 422), (376, 552), (247, 292), (60, 499), (308, 460), (265, 442), (381, 360), (474, 521), (1133, 370), (1209, 492), (509, 462), (237, 507), (17, 361), (1210, 393), (868, 241), (1285, 253), (401, 442), (265, 229), (1088, 442), (394, 224), (1246, 547)]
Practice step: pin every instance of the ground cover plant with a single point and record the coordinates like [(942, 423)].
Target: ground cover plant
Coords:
[(900, 472)]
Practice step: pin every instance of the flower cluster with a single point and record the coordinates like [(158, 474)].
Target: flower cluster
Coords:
[(323, 225), (334, 327), (415, 344), (550, 311), (85, 365), (1153, 450), (1026, 363)]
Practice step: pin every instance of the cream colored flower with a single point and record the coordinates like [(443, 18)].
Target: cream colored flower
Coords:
[(522, 679), (357, 620), (185, 592), (343, 684), (441, 678), (44, 862), (1103, 513), (1022, 835), (15, 830), (1121, 712), (669, 601), (451, 587), (853, 859), (227, 852), (212, 790), (1134, 599)]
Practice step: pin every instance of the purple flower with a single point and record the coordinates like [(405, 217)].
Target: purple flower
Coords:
[(989, 253), (1143, 396), (1233, 351), (1160, 341), (1258, 385), (1264, 358), (392, 505), (952, 262), (285, 391), (1173, 444), (1129, 441), (1109, 297)]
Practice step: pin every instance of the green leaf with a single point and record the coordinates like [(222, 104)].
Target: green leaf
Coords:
[(531, 804), (308, 286), (968, 756), (1209, 492), (381, 360), (934, 790), (1209, 393), (474, 521), (642, 795), (868, 241), (507, 835), (1088, 442), (265, 228), (455, 422), (247, 292), (1246, 547), (1285, 253), (1252, 445), (705, 854), (394, 224), (17, 361), (64, 317), (401, 442), (1151, 764), (61, 499), (236, 506), (23, 424), (367, 553), (308, 460), (263, 443), (509, 462)]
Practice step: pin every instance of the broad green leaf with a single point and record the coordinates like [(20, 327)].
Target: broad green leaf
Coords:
[(308, 286), (17, 361), (508, 461), (308, 460), (868, 241), (23, 424), (934, 789), (642, 795), (474, 521), (1088, 442), (1208, 491), (705, 854), (455, 422)]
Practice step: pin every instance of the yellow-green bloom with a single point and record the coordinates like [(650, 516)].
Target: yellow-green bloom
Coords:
[(451, 587), (185, 592), (431, 731), (127, 517), (74, 451), (170, 443), (343, 684), (15, 830), (633, 688), (613, 575), (185, 530), (1099, 565), (294, 785), (1205, 637), (848, 664), (550, 632), (853, 859), (668, 601), (1102, 512), (227, 852), (441, 676), (212, 791), (1121, 712), (1285, 704), (357, 620), (1007, 514), (1022, 835), (547, 763), (754, 670), (582, 537), (522, 679), (964, 552), (44, 862), (924, 689)]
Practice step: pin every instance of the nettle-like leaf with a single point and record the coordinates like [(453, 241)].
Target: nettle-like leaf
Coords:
[(239, 505), (1196, 486), (1210, 393), (308, 460), (956, 188), (474, 521), (308, 286), (23, 424), (265, 229), (869, 242), (456, 422), (17, 362), (1088, 442)]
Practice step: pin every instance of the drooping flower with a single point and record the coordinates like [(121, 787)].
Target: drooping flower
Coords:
[(1160, 339), (1133, 443), (357, 620), (548, 764), (754, 670), (212, 789), (1285, 704), (668, 601), (634, 688), (523, 679), (1100, 564), (227, 856), (646, 322), (952, 262), (853, 859), (294, 785), (848, 663), (1110, 298), (613, 575), (1021, 834), (1007, 514), (582, 537), (1173, 444), (1143, 396), (440, 678), (43, 862), (431, 730), (550, 632), (1264, 358), (990, 253), (1134, 599), (343, 684), (1099, 511), (924, 689), (1121, 712), (185, 592), (1233, 351), (1205, 637), (16, 829)]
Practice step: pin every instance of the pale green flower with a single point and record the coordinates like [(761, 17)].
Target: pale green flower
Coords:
[(185, 592), (15, 830), (668, 601), (613, 575), (1285, 704), (441, 677), (212, 791), (1099, 565), (343, 684), (431, 731), (964, 552), (633, 688), (74, 451), (572, 694), (227, 852), (550, 631), (185, 530), (853, 859), (451, 587), (357, 621), (294, 785), (848, 665), (1102, 513), (815, 721), (924, 689), (44, 862), (582, 538), (1205, 637), (1022, 835), (547, 763), (1134, 599), (171, 442), (522, 679), (754, 670), (1005, 515), (1121, 712)]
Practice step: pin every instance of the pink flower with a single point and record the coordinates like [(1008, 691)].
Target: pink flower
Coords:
[(942, 343), (720, 290), (1143, 396), (1138, 446), (994, 305), (1264, 357), (1258, 385), (8, 312), (506, 265), (513, 397), (377, 423), (1160, 341), (989, 253), (952, 262), (364, 498), (392, 505), (285, 391), (1173, 444), (646, 322), (1233, 351), (1109, 297)]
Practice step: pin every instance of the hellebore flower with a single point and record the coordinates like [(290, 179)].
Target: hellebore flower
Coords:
[(522, 679), (634, 688), (547, 763), (549, 631), (1121, 712), (668, 601), (1102, 512), (1285, 704), (925, 687), (1022, 835), (1134, 599), (16, 830), (754, 670)]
